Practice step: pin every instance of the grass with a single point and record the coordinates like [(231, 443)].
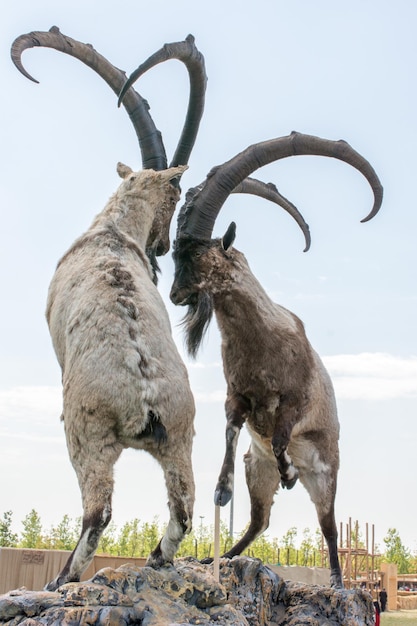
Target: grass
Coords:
[(399, 618)]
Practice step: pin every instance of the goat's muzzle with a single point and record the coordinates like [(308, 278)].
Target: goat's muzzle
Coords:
[(180, 297), (162, 247)]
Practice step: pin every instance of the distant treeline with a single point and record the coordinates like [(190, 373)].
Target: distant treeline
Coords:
[(138, 539)]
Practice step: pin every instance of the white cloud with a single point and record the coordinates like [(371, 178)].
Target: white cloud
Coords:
[(30, 414), (42, 401), (198, 365), (210, 397), (280, 296), (373, 376)]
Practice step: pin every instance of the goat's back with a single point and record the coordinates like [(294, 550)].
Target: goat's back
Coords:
[(112, 335)]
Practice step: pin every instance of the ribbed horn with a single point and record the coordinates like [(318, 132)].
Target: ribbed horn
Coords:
[(187, 52), (203, 203), (268, 191), (150, 139)]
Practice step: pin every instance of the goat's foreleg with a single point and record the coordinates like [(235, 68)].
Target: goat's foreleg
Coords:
[(236, 407), (262, 479), (179, 480)]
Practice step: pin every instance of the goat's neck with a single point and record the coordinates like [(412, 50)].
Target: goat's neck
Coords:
[(242, 305), (132, 216), (244, 301)]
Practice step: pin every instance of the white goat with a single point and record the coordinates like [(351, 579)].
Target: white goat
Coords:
[(276, 383), (124, 383)]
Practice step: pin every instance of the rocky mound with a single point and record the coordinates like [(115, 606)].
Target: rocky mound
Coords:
[(249, 594)]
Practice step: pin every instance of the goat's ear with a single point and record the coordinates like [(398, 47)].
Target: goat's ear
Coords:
[(229, 236), (123, 170)]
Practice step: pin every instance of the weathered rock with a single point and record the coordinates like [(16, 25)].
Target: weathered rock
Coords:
[(248, 594), (322, 606)]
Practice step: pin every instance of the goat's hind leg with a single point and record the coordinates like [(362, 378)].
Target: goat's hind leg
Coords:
[(262, 479), (329, 530), (235, 410), (94, 468), (320, 483), (179, 481)]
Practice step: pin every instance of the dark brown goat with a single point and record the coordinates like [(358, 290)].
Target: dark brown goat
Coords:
[(276, 383)]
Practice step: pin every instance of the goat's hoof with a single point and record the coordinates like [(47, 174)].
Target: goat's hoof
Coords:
[(289, 484), (338, 585), (159, 564), (222, 495), (156, 560), (52, 586), (336, 581), (55, 584), (288, 481)]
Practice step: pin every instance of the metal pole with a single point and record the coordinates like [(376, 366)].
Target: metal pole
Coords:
[(232, 510), (216, 564)]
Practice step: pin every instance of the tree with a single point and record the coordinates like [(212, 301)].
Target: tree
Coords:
[(123, 540), (262, 549), (32, 531), (131, 537), (63, 537), (307, 549), (396, 552), (149, 538), (136, 539), (200, 542), (288, 543), (8, 539), (108, 542)]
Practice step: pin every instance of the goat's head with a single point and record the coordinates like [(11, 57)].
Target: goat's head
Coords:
[(155, 194), (150, 140), (196, 254), (203, 271)]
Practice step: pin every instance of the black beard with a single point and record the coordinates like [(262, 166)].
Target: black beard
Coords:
[(151, 254), (196, 321)]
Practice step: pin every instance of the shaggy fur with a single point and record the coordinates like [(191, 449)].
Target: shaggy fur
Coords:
[(124, 383), (276, 384)]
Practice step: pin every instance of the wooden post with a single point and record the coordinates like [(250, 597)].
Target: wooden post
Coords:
[(356, 551), (349, 546)]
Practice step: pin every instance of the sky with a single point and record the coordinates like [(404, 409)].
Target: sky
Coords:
[(339, 70)]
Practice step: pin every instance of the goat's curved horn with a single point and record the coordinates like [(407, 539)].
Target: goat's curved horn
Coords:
[(187, 52), (203, 203), (268, 191), (150, 140)]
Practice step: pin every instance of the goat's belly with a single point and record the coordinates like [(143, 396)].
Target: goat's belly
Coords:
[(261, 446), (304, 454)]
